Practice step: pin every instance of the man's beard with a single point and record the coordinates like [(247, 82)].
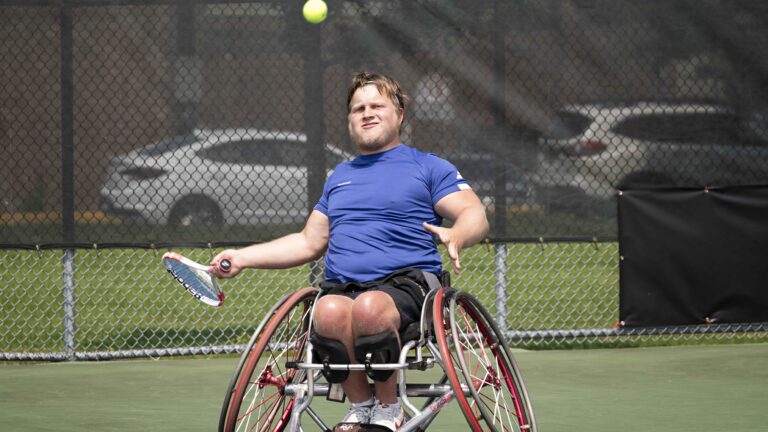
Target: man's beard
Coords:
[(374, 143)]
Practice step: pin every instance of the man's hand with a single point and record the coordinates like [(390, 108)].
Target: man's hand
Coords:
[(447, 237), (231, 256), (469, 223)]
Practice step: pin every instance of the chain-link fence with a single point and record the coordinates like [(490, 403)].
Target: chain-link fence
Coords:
[(150, 123), (121, 303)]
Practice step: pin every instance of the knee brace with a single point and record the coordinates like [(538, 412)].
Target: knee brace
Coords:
[(375, 349), (326, 351)]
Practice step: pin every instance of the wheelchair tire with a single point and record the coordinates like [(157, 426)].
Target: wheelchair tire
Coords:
[(255, 399), (476, 357)]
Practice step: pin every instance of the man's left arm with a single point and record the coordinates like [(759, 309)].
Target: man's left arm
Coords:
[(470, 224)]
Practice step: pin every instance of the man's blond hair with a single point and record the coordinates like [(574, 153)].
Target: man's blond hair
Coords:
[(384, 84)]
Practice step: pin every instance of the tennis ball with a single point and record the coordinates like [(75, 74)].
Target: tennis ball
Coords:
[(315, 11)]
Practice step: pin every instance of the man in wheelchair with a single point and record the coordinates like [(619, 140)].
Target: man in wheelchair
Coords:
[(376, 222)]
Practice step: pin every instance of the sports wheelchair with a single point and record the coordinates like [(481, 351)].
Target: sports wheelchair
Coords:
[(277, 377)]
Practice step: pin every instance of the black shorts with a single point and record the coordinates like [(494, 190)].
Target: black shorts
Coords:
[(407, 288)]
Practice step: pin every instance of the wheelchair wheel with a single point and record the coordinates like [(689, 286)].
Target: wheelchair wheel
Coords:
[(476, 357), (255, 399)]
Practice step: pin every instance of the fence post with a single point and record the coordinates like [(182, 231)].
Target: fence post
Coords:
[(68, 264), (67, 175), (188, 77), (314, 114), (499, 110), (67, 126), (500, 274)]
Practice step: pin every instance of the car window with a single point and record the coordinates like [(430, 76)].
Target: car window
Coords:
[(248, 152), (697, 128), (297, 153), (566, 124), (168, 145), (265, 152), (292, 153)]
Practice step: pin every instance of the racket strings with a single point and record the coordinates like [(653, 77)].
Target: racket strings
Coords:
[(197, 280)]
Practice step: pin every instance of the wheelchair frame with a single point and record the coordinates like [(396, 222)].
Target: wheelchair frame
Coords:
[(273, 393)]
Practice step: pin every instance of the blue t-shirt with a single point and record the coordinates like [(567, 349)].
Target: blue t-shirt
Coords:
[(376, 204)]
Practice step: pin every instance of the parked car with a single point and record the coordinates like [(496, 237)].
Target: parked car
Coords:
[(214, 176), (593, 149)]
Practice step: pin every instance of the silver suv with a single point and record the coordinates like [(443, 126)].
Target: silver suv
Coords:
[(597, 148)]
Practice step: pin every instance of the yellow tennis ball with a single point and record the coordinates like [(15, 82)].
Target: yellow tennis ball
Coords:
[(315, 11)]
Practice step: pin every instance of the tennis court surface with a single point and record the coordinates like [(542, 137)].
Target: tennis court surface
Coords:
[(684, 388)]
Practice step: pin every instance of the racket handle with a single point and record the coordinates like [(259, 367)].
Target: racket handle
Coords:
[(225, 266)]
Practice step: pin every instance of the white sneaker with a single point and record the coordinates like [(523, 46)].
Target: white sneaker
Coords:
[(387, 415), (357, 414)]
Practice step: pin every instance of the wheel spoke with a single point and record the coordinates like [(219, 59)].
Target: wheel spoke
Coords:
[(477, 357), (259, 402), (259, 405)]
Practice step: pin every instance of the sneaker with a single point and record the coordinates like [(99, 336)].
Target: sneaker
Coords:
[(357, 414), (388, 415)]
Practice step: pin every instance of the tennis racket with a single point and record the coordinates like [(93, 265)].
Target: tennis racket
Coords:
[(196, 278)]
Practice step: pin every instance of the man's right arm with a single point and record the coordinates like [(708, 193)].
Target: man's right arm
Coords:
[(289, 251)]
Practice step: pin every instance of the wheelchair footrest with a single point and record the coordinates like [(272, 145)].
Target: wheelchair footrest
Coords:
[(360, 427), (424, 364)]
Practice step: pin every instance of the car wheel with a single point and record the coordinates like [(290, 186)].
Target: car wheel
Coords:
[(195, 210)]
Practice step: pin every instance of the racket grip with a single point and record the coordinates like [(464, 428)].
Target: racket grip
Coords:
[(225, 266)]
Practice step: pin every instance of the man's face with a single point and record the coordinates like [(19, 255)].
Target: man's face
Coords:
[(374, 122)]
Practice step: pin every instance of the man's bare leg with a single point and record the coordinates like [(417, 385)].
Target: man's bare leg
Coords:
[(333, 319), (375, 312)]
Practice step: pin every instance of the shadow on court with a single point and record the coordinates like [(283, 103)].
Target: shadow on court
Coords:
[(690, 388)]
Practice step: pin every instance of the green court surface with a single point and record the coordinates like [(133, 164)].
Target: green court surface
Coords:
[(689, 388)]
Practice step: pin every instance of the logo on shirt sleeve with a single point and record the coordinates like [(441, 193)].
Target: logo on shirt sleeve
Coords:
[(463, 185)]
